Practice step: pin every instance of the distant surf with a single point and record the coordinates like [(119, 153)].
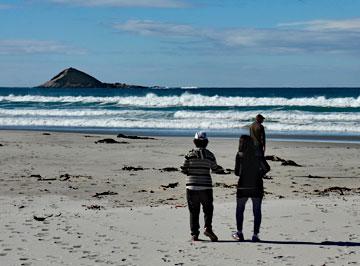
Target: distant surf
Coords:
[(288, 111)]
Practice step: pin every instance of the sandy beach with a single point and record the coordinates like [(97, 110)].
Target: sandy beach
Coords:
[(67, 200)]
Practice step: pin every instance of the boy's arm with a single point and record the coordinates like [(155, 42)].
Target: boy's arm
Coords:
[(215, 168), (185, 167)]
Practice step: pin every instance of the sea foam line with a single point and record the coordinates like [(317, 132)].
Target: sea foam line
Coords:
[(280, 116), (121, 122), (273, 116), (190, 100), (74, 112)]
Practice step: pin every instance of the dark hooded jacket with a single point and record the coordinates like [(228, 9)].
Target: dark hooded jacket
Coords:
[(250, 183)]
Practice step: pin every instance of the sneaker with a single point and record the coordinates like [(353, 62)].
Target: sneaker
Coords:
[(238, 236), (194, 237), (255, 238), (210, 234)]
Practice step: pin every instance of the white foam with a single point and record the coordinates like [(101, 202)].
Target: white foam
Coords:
[(279, 116), (126, 122), (74, 112), (294, 117), (190, 100)]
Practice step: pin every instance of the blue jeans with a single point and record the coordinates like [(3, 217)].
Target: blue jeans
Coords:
[(240, 207)]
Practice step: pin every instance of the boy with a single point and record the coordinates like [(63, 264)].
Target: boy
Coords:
[(197, 165)]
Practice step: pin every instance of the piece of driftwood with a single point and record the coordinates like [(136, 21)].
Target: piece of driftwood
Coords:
[(40, 178), (64, 177), (274, 158), (170, 185), (41, 218), (132, 137), (290, 163), (224, 185), (169, 169), (106, 193), (339, 190), (132, 168), (110, 141), (284, 162), (93, 207)]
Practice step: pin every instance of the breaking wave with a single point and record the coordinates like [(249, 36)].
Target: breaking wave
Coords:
[(228, 110), (191, 100), (276, 120)]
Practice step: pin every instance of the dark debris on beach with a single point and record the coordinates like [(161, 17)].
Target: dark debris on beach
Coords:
[(133, 137), (170, 185), (110, 141), (40, 178), (133, 168), (94, 207), (169, 169), (224, 185), (284, 162), (106, 193), (339, 190)]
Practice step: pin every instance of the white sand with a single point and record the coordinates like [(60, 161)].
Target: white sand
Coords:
[(293, 230), (127, 231)]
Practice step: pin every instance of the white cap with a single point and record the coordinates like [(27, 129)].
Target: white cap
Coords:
[(200, 135)]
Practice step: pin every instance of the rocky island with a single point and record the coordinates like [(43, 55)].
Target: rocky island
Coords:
[(73, 78)]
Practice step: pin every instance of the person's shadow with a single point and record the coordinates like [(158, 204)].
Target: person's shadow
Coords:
[(281, 242)]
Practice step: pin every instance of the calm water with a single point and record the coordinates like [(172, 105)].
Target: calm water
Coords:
[(288, 111)]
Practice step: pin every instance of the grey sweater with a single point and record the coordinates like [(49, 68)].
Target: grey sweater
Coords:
[(197, 165)]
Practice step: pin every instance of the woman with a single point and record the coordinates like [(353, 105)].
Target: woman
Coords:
[(250, 185)]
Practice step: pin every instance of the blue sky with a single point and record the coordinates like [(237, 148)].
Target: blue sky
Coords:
[(182, 42)]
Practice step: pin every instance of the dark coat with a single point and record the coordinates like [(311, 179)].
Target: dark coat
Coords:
[(250, 183)]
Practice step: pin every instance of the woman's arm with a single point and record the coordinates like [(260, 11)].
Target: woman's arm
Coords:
[(238, 164)]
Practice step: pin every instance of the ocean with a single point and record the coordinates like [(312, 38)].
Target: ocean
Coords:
[(302, 113)]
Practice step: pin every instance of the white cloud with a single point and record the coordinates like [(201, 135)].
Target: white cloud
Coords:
[(10, 47), (326, 25), (149, 27), (5, 6), (300, 37), (125, 3)]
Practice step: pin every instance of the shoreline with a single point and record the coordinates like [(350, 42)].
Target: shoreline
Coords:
[(318, 137)]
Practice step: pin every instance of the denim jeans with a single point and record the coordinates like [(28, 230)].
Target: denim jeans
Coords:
[(195, 198), (240, 207)]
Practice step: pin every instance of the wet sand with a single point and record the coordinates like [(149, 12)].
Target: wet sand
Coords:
[(124, 203)]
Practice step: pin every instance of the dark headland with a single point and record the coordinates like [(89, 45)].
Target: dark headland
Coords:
[(73, 78)]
